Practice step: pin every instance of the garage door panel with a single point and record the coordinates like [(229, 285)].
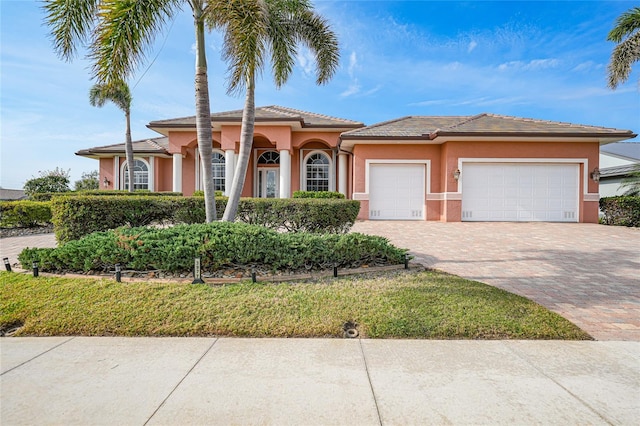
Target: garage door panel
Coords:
[(396, 191), (520, 192)]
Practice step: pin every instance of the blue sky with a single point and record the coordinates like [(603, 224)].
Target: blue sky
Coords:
[(535, 59)]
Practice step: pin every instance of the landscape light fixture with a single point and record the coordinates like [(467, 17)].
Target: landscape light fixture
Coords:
[(7, 264), (595, 175), (197, 274), (118, 273), (34, 265), (456, 174)]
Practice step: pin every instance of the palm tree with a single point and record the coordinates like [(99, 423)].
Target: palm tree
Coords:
[(118, 93), (252, 32), (627, 34), (118, 33)]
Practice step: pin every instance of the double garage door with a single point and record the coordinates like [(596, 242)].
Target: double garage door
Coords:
[(509, 192), (514, 192)]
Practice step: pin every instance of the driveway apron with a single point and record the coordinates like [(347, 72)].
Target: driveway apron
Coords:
[(588, 273)]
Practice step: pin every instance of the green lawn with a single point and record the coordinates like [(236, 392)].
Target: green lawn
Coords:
[(422, 305)]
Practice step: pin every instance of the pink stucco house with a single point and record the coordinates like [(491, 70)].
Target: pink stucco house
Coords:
[(453, 168)]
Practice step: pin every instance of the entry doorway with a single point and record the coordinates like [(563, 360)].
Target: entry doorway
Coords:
[(268, 182)]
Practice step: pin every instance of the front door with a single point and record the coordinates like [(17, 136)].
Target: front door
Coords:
[(268, 182)]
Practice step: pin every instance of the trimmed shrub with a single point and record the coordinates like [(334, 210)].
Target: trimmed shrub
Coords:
[(116, 192), (24, 213), (623, 211), (218, 244), (77, 216), (317, 194), (201, 194)]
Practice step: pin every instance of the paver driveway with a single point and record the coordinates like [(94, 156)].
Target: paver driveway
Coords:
[(588, 273)]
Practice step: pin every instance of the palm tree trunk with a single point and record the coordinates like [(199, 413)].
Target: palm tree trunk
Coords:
[(203, 114), (246, 143), (128, 150)]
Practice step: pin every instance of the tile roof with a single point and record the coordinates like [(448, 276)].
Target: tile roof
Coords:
[(624, 149), (618, 171), (158, 145), (267, 113), (430, 127)]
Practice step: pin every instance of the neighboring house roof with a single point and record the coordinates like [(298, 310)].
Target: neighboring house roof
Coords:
[(273, 113), (430, 128), (12, 194), (626, 150), (154, 146), (619, 171)]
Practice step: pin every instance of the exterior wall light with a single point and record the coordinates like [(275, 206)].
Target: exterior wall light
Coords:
[(106, 182), (595, 175), (456, 174)]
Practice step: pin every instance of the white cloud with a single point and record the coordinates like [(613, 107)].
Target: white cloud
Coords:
[(306, 60), (354, 88), (533, 65), (472, 45), (353, 63)]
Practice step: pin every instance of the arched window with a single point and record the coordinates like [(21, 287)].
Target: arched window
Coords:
[(218, 168), (317, 168), (140, 175), (269, 157)]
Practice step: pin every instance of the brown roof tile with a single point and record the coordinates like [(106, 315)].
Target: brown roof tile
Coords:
[(430, 127), (158, 146), (267, 113)]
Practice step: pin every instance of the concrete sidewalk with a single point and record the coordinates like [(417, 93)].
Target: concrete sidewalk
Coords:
[(180, 381)]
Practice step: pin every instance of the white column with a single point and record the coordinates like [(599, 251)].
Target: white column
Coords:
[(116, 172), (177, 172), (342, 171), (229, 170), (152, 174), (285, 174)]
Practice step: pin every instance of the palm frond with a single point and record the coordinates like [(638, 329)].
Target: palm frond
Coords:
[(125, 31), (626, 24), (71, 23), (624, 55)]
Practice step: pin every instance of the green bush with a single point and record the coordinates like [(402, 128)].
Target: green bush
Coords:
[(76, 216), (100, 192), (24, 213), (201, 194), (317, 194), (623, 211), (218, 245)]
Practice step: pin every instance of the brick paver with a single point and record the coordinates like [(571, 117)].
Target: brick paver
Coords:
[(588, 273)]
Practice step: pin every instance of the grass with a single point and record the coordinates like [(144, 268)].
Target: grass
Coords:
[(423, 305)]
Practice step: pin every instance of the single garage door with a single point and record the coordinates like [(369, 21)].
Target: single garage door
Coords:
[(516, 192), (396, 191)]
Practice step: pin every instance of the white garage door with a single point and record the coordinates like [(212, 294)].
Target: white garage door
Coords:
[(396, 191), (520, 192)]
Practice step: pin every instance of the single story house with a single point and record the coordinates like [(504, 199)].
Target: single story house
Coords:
[(485, 167), (617, 162)]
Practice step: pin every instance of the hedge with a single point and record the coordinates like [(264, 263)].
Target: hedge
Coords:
[(47, 196), (623, 211), (218, 244), (317, 194), (24, 213), (77, 216)]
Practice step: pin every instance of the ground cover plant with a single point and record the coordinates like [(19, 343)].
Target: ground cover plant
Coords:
[(218, 245), (422, 305)]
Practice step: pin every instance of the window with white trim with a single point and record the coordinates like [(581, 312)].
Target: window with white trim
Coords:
[(140, 175), (218, 169), (317, 172)]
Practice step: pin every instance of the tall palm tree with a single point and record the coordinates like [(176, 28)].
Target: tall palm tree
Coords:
[(117, 92), (118, 33), (627, 34), (253, 31)]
